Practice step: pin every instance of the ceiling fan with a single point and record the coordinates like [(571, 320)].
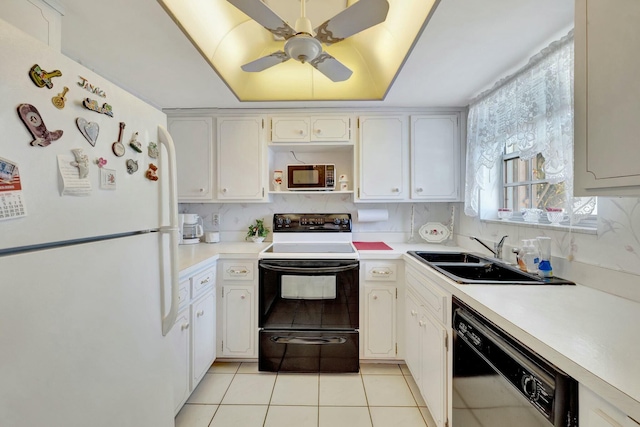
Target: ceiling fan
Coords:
[(304, 43)]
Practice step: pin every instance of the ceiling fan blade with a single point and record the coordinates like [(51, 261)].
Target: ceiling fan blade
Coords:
[(265, 62), (331, 67), (263, 15), (352, 20)]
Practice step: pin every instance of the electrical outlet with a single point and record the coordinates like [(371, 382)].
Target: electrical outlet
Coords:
[(215, 220)]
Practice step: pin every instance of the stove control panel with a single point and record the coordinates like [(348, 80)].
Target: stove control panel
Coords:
[(312, 222)]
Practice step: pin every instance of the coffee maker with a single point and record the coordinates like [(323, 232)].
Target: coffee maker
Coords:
[(190, 228)]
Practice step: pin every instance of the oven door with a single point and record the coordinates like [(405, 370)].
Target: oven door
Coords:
[(308, 294), (308, 351)]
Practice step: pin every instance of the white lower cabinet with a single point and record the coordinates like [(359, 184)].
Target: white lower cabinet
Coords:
[(238, 306), (203, 321), (179, 337), (427, 342), (239, 321), (378, 333), (594, 411), (193, 335)]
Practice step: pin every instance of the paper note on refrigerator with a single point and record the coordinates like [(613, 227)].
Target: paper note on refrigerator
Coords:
[(70, 181)]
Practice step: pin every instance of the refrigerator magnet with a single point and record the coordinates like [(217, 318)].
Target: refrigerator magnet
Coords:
[(152, 150), (84, 83), (81, 162), (132, 166), (33, 121), (42, 78), (59, 100), (118, 147), (101, 162), (92, 104), (152, 172), (134, 143), (107, 179), (89, 130)]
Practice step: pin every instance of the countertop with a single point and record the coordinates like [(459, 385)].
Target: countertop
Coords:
[(585, 332)]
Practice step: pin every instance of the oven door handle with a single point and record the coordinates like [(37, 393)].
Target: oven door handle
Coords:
[(309, 340), (309, 270)]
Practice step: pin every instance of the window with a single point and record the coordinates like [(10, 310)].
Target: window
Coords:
[(520, 143)]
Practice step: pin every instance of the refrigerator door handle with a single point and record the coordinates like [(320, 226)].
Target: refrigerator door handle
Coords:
[(169, 318)]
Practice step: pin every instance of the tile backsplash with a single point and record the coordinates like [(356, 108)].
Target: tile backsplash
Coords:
[(234, 218)]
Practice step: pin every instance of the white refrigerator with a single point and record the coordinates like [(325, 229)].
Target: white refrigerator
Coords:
[(88, 280)]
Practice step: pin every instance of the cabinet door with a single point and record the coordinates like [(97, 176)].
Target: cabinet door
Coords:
[(179, 338), (290, 129), (203, 320), (239, 324), (240, 158), (412, 337), (435, 157), (330, 129), (433, 360), (594, 411), (607, 98), (193, 137), (380, 322), (383, 158)]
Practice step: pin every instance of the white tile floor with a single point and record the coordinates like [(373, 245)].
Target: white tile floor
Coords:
[(237, 395)]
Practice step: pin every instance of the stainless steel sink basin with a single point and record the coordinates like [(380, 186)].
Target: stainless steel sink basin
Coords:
[(472, 269)]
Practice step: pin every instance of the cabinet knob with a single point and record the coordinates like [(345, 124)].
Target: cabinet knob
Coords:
[(242, 296), (317, 130), (418, 190), (395, 190), (414, 313), (421, 323), (199, 313), (201, 190), (375, 296), (301, 132), (184, 326)]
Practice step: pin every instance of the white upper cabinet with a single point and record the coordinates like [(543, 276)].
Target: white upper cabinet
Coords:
[(435, 157), (193, 137), (383, 158), (241, 158), (607, 98), (310, 129)]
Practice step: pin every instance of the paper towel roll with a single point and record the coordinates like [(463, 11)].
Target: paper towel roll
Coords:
[(372, 215)]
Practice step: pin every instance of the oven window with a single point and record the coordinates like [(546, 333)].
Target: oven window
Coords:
[(308, 287), (306, 176)]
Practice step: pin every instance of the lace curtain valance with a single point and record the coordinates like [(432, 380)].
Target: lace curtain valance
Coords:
[(531, 112)]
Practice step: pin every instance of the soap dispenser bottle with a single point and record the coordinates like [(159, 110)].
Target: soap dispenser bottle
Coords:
[(544, 267)]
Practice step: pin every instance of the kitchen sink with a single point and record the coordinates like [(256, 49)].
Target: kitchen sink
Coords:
[(472, 269)]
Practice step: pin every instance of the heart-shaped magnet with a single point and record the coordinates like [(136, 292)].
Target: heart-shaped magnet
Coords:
[(89, 130)]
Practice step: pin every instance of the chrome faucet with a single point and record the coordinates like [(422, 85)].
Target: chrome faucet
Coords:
[(497, 248)]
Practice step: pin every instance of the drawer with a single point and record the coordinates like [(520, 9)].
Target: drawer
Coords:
[(432, 297), (203, 281), (380, 271), (183, 293), (240, 270)]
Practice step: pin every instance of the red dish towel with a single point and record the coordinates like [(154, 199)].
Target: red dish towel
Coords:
[(372, 246)]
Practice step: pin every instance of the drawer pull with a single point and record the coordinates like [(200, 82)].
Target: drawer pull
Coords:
[(199, 313), (205, 281), (381, 272), (184, 326), (239, 271)]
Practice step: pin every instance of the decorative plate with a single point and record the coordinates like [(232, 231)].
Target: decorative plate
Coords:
[(434, 232)]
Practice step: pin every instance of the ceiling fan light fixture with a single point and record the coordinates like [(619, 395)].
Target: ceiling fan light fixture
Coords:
[(303, 48)]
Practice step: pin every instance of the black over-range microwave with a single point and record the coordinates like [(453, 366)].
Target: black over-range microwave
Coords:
[(311, 177)]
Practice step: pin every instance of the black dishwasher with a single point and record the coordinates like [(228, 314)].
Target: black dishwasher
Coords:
[(497, 381)]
